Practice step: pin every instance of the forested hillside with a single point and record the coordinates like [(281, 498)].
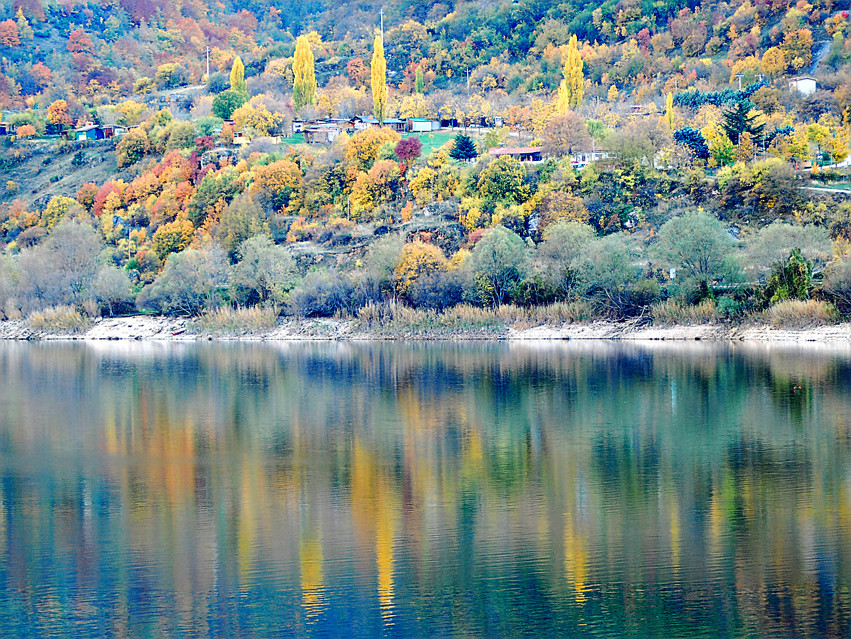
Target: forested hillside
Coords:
[(654, 159)]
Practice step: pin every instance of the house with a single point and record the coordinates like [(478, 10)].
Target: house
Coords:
[(396, 124), (90, 132), (522, 153), (421, 125), (321, 133), (805, 85), (584, 158), (5, 129)]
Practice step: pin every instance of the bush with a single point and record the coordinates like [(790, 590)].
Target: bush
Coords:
[(322, 294), (226, 319), (678, 312), (58, 318), (191, 282), (437, 291), (837, 283), (800, 314)]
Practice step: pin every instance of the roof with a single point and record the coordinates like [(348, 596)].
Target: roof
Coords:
[(803, 77), (88, 127), (420, 120), (518, 150)]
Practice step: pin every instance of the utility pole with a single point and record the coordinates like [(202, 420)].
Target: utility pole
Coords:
[(208, 65), (381, 13), (739, 78)]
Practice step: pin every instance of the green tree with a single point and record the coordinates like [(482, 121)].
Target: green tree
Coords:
[(378, 71), (226, 102), (304, 76), (500, 261), (264, 273), (790, 279), (738, 119), (504, 180), (464, 148), (191, 281), (696, 243), (561, 253), (419, 82), (237, 76)]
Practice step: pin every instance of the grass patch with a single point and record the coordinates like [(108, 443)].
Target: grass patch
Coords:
[(672, 312), (800, 314), (398, 319), (237, 321), (58, 319)]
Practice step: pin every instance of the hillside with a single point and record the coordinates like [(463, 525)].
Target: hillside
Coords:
[(575, 154)]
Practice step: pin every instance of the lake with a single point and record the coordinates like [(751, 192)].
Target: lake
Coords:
[(450, 490)]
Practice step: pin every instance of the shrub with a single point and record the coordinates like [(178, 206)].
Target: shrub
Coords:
[(191, 282), (438, 291), (678, 312), (58, 318), (322, 294), (837, 283), (226, 319), (800, 314)]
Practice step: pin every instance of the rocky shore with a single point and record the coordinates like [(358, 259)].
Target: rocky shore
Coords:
[(181, 329)]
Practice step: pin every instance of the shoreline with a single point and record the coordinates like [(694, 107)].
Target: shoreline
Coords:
[(166, 329)]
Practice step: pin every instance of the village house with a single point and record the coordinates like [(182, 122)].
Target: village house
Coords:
[(530, 154), (805, 85)]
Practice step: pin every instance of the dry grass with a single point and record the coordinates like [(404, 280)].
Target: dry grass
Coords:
[(58, 318), (799, 314), (398, 319), (240, 320), (671, 312)]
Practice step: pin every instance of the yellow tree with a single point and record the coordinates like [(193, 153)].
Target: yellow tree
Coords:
[(304, 76), (572, 87), (237, 75), (669, 110), (379, 80)]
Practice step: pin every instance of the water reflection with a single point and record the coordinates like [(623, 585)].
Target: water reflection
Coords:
[(443, 490)]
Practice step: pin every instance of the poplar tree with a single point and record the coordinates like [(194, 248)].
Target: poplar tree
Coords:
[(419, 81), (379, 80), (669, 110), (237, 76), (572, 87), (304, 75)]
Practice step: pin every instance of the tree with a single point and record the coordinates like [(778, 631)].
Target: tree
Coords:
[(191, 281), (561, 253), (697, 243), (419, 81), (228, 101), (418, 259), (572, 86), (378, 72), (669, 110), (237, 76), (790, 279), (264, 273), (504, 180), (364, 146), (739, 119), (112, 288), (408, 150), (694, 140), (500, 260), (133, 146), (837, 282), (775, 242), (608, 273), (62, 269), (565, 135), (464, 148), (279, 185), (304, 76), (169, 76), (25, 131), (79, 42), (172, 237)]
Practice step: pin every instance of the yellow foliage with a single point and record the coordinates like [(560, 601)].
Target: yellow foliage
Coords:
[(172, 237), (418, 259), (364, 145)]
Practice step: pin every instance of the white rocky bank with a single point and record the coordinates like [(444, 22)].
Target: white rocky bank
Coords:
[(181, 329)]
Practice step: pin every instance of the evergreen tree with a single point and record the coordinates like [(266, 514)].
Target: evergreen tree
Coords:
[(464, 148), (379, 80), (572, 87), (739, 119), (304, 80), (237, 76), (419, 82)]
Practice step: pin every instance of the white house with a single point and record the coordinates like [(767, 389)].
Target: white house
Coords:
[(804, 85)]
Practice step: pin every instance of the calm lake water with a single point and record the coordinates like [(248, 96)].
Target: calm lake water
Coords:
[(472, 490)]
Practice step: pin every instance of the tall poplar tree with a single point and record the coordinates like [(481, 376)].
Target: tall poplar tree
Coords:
[(304, 75), (419, 81), (572, 87), (237, 76), (669, 110), (379, 80)]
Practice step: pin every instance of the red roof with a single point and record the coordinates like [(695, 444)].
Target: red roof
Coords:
[(520, 150)]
